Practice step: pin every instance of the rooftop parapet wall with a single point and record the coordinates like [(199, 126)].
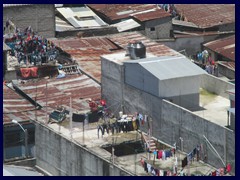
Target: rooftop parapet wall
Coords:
[(216, 85)]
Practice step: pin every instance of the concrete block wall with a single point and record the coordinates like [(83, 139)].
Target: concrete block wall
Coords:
[(216, 85), (162, 28), (61, 157), (179, 122), (191, 44), (41, 17), (229, 73), (171, 121)]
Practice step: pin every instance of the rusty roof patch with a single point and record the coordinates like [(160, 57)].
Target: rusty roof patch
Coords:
[(16, 107), (157, 14), (224, 46), (87, 51), (207, 15), (230, 65), (120, 11), (59, 91)]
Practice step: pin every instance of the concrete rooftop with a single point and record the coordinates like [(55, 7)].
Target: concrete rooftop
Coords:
[(131, 163), (214, 108)]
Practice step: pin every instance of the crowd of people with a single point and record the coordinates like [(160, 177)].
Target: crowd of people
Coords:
[(29, 47), (207, 62)]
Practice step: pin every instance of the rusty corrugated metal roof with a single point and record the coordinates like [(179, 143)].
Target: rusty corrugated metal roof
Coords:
[(230, 65), (87, 51), (225, 47), (59, 91), (157, 14), (120, 11), (16, 107), (207, 15)]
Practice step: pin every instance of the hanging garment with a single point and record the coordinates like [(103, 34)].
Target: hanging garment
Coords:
[(194, 151), (149, 167), (214, 173), (155, 153), (146, 118), (221, 171), (164, 173), (25, 72), (160, 154), (153, 171), (161, 172), (100, 128), (167, 154), (145, 166), (134, 124), (138, 123), (163, 155), (157, 172), (34, 71), (173, 151), (228, 167), (184, 162), (142, 162)]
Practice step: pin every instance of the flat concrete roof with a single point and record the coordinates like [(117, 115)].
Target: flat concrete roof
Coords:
[(131, 163), (121, 57), (214, 108)]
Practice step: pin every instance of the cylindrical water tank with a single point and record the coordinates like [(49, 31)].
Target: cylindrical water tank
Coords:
[(136, 50)]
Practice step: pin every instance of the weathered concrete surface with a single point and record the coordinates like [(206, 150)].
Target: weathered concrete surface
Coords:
[(41, 17), (61, 157), (170, 122), (216, 85)]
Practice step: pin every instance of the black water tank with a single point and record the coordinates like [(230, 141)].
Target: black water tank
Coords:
[(136, 50)]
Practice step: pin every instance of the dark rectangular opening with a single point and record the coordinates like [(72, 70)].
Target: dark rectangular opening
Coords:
[(125, 148)]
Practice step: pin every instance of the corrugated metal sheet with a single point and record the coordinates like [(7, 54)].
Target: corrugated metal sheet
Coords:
[(120, 11), (62, 25), (207, 15), (225, 47), (156, 14), (59, 91), (15, 5), (87, 51), (164, 76), (81, 17), (16, 107), (170, 67), (230, 65), (126, 25)]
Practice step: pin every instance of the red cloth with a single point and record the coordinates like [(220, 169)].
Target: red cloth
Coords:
[(214, 173), (34, 71), (228, 167), (103, 102), (26, 72), (159, 154), (142, 162)]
